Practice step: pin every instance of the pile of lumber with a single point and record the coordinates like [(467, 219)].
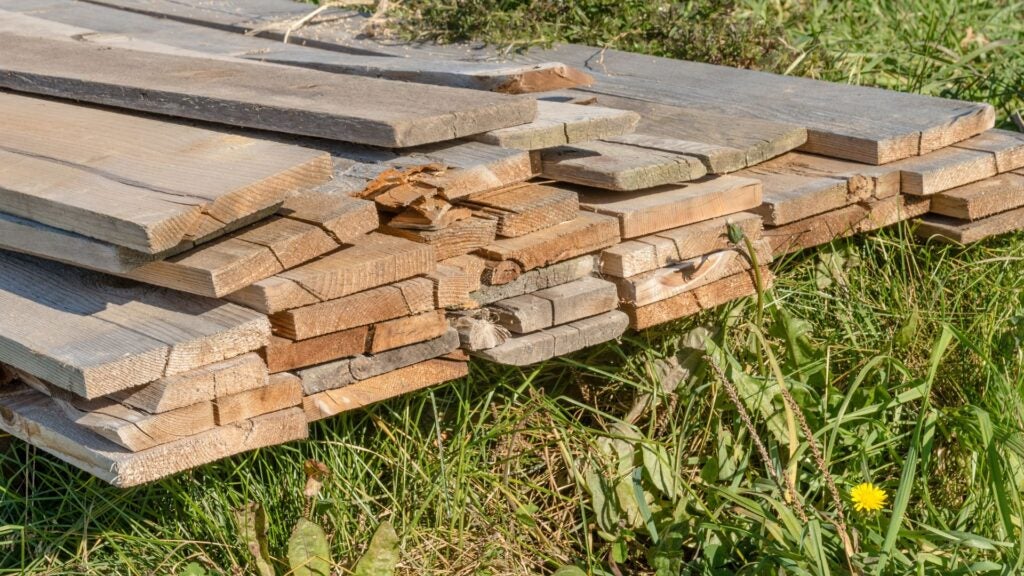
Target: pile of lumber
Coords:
[(210, 238)]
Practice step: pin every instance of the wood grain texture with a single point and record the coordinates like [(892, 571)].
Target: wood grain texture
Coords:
[(617, 166), (343, 217), (396, 383), (405, 331), (586, 233), (144, 193), (555, 305), (94, 334), (452, 286), (456, 239), (648, 253), (944, 169), (525, 208), (686, 276), (202, 384), (558, 123), (404, 298), (981, 199), (557, 341), (286, 99), (951, 230), (282, 392), (689, 303), (537, 279), (647, 211), (854, 219), (32, 417), (283, 354), (1006, 146)]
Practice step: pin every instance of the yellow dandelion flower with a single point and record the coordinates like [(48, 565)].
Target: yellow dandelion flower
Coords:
[(867, 497)]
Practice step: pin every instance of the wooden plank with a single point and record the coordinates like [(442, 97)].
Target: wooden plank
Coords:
[(790, 197), (405, 331), (473, 167), (555, 305), (389, 113), (283, 354), (689, 303), (981, 199), (648, 253), (586, 233), (202, 384), (558, 123), (402, 381), (724, 142), (864, 182), (538, 279), (370, 365), (143, 193), (343, 217), (645, 212), (526, 208), (854, 219), (944, 169), (471, 266), (1006, 146), (663, 283), (873, 126), (452, 287), (494, 77), (403, 298), (458, 238), (951, 230), (373, 260), (613, 166), (94, 334), (284, 391), (546, 344), (32, 417)]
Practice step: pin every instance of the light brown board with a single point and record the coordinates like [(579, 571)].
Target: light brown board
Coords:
[(558, 123), (283, 354), (648, 253), (537, 279), (587, 233), (961, 232), (623, 167), (981, 199), (690, 303), (402, 381), (32, 417), (143, 192), (526, 208), (94, 334), (456, 239), (555, 305), (647, 211), (285, 99)]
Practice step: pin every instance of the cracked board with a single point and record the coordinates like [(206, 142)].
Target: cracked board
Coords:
[(555, 305), (557, 341), (695, 301), (558, 123), (525, 208)]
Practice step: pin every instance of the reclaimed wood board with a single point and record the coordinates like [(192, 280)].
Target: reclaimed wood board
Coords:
[(404, 298), (648, 253), (853, 219), (291, 100), (456, 239), (981, 199), (689, 303), (557, 341), (723, 142), (396, 383), (33, 417), (688, 275), (951, 230), (452, 287), (558, 123), (555, 305), (864, 181), (537, 279), (790, 197), (1006, 146), (283, 354), (586, 233), (873, 126), (525, 208), (473, 167), (615, 166), (202, 384), (372, 260), (401, 332), (144, 193), (645, 212), (94, 334)]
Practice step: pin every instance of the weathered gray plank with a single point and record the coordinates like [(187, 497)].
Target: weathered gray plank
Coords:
[(537, 279), (559, 123), (546, 344), (623, 167), (286, 99)]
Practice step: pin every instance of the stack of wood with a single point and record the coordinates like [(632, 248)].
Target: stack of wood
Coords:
[(175, 292)]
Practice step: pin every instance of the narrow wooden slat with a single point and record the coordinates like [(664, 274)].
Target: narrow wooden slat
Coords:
[(283, 354), (405, 331), (456, 239), (526, 208), (622, 167), (961, 232), (558, 123), (981, 199), (537, 279), (546, 344), (696, 301)]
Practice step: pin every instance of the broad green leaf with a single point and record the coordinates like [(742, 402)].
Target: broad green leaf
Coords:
[(381, 555), (193, 569), (309, 553), (251, 525), (659, 468)]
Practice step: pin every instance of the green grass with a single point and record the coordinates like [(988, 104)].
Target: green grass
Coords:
[(904, 358)]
